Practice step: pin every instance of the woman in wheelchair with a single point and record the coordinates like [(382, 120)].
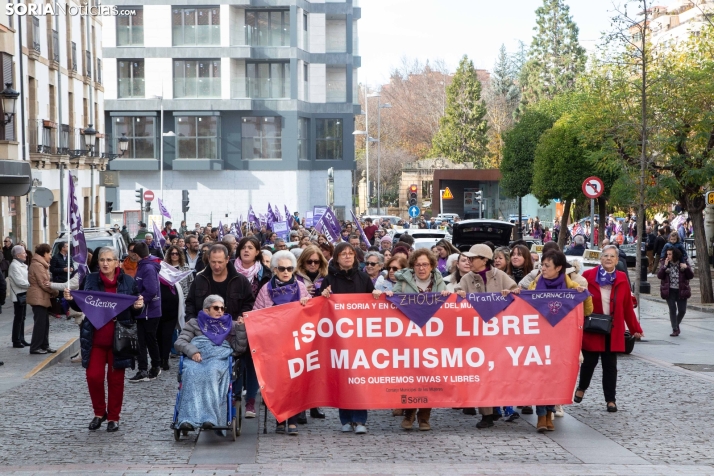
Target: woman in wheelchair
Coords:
[(208, 340)]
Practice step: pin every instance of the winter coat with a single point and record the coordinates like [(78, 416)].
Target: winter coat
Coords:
[(570, 284), (125, 285), (17, 279), (264, 300), (572, 273), (3, 289), (39, 294), (406, 282), (305, 279), (57, 265), (660, 241), (351, 281), (685, 275), (238, 301), (237, 338), (496, 281), (621, 310), (576, 250), (147, 282)]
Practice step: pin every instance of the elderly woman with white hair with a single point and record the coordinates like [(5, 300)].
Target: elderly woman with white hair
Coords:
[(17, 281), (208, 340), (373, 264), (283, 288)]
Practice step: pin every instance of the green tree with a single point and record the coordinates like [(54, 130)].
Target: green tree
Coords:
[(560, 167), (555, 57), (462, 131)]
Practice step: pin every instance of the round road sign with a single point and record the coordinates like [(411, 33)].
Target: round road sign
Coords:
[(148, 195), (43, 197), (414, 211), (593, 187)]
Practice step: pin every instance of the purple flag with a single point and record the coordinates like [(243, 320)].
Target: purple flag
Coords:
[(219, 236), (163, 209), (78, 245), (158, 236), (359, 227), (554, 304), (99, 307), (253, 219), (239, 228), (419, 308), (321, 227), (331, 220), (271, 218), (487, 305), (276, 212), (289, 217)]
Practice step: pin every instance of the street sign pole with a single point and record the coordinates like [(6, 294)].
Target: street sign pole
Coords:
[(441, 201), (592, 223)]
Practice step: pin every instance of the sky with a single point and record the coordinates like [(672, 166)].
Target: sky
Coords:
[(447, 29)]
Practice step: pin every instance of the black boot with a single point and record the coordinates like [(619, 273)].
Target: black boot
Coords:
[(302, 418), (486, 422), (316, 413), (165, 364)]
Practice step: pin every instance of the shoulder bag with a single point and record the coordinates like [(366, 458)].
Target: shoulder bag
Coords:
[(126, 340), (600, 323)]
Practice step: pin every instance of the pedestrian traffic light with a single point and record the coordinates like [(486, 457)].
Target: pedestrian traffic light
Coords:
[(109, 206), (184, 201), (412, 195), (478, 196)]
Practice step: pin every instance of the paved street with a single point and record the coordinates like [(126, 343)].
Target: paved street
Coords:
[(660, 429)]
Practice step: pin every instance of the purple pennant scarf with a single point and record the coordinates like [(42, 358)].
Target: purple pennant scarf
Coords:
[(545, 284), (100, 307), (419, 308), (216, 329), (554, 305), (604, 278), (487, 305), (289, 292)]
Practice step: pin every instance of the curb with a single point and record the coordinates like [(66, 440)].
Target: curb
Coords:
[(70, 348), (693, 307)]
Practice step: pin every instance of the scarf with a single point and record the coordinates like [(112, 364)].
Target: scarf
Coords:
[(441, 264), (544, 284), (424, 285), (283, 293), (517, 274), (604, 278), (249, 273), (110, 285), (483, 276), (216, 329)]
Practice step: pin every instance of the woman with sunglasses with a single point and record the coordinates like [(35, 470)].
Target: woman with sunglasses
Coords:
[(373, 263), (386, 283), (207, 340), (311, 269), (283, 288), (172, 304)]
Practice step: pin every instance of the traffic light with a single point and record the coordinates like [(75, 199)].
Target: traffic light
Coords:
[(109, 206), (478, 196), (147, 208), (184, 201), (412, 196), (140, 197)]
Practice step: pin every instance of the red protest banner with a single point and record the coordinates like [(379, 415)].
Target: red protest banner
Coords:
[(352, 351)]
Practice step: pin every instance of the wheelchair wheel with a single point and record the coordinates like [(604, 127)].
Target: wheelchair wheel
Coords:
[(233, 428), (177, 435), (184, 432)]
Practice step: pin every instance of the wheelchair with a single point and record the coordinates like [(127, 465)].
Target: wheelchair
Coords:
[(234, 414)]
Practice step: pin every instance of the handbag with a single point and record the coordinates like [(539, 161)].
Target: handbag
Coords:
[(598, 324), (21, 298), (126, 340)]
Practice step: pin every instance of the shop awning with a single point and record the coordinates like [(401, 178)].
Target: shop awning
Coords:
[(15, 178)]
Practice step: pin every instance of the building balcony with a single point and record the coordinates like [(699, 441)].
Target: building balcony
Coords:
[(131, 88), (260, 88)]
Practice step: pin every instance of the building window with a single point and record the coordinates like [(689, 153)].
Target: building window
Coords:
[(73, 60), (130, 28), (336, 84), (303, 138), (88, 64), (7, 132), (35, 33), (267, 28), (197, 78), (196, 26), (305, 83), (197, 137), (141, 133), (99, 71), (329, 139), (261, 138), (305, 36), (131, 78), (268, 80), (55, 46)]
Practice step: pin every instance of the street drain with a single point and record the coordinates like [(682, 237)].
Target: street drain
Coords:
[(697, 367), (656, 342)]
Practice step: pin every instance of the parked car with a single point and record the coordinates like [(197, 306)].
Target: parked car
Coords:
[(96, 237), (423, 235), (448, 217), (472, 232)]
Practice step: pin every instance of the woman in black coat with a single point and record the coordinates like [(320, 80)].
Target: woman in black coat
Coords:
[(97, 345)]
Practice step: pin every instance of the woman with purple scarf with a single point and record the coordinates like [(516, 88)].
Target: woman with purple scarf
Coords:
[(552, 277), (283, 288), (208, 340)]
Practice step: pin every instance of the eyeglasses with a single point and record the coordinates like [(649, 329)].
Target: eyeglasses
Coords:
[(370, 263), (289, 269), (218, 308), (422, 265), (311, 261), (347, 255), (107, 260), (394, 268)]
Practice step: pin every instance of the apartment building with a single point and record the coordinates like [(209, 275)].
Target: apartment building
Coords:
[(55, 63), (258, 101), (680, 20)]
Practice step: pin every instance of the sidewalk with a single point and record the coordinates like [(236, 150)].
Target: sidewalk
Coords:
[(19, 362), (694, 303)]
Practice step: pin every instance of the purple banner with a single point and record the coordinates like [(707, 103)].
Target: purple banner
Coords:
[(163, 209), (554, 305), (487, 305), (276, 212), (321, 227), (158, 238), (359, 227), (78, 245), (331, 220), (419, 308), (219, 235), (289, 217), (253, 219), (270, 218), (99, 307)]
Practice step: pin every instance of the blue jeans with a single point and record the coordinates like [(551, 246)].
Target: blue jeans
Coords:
[(247, 370), (541, 410), (353, 416)]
